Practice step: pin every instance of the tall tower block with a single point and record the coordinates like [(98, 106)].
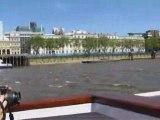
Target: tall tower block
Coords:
[(1, 30)]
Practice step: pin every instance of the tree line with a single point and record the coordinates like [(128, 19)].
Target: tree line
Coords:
[(152, 44), (89, 44)]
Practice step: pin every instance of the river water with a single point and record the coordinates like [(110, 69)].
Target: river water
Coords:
[(61, 80)]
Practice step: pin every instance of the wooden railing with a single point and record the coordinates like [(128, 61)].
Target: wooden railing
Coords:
[(132, 103)]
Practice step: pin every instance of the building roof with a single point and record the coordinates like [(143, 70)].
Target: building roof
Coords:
[(22, 28), (135, 34), (27, 29)]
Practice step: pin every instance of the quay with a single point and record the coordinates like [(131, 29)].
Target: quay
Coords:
[(15, 60), (97, 58), (26, 60)]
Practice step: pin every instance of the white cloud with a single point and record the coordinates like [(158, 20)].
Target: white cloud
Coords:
[(61, 6)]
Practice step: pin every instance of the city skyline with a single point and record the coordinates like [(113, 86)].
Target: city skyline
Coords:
[(107, 16)]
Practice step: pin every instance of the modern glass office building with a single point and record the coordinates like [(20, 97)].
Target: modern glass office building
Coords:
[(32, 27)]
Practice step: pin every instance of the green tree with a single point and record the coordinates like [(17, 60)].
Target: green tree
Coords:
[(152, 43), (122, 44), (112, 43), (77, 44), (155, 43), (140, 44), (51, 44), (129, 43), (61, 42), (36, 43), (103, 42), (89, 44)]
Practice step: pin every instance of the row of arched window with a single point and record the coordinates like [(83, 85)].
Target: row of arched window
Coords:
[(3, 52)]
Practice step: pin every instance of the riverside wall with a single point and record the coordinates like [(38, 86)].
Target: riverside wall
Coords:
[(78, 59)]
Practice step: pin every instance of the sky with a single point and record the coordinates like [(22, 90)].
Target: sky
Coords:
[(103, 16)]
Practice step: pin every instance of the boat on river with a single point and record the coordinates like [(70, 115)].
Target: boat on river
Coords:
[(5, 65), (90, 107), (100, 60)]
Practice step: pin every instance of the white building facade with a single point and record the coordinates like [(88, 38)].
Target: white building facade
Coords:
[(71, 49), (15, 42), (22, 37), (9, 44)]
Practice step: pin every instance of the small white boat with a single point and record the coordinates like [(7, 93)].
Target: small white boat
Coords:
[(5, 65)]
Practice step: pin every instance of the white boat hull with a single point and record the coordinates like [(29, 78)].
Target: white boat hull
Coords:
[(5, 66)]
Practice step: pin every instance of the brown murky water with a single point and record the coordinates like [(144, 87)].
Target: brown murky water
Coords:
[(60, 80)]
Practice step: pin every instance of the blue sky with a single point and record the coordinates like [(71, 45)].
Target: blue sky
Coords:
[(107, 16)]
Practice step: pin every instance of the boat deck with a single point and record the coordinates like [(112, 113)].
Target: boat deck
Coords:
[(86, 116)]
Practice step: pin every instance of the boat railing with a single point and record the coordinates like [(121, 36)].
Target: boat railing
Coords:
[(117, 106)]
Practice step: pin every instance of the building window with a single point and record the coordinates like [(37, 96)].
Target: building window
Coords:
[(3, 51), (75, 51), (53, 52), (8, 52)]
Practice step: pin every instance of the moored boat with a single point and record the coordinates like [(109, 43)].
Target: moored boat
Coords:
[(5, 65), (100, 60), (93, 61)]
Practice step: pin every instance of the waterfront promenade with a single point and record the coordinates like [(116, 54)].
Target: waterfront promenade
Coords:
[(78, 59)]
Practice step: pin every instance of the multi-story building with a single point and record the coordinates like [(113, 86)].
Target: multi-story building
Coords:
[(152, 33), (58, 31), (70, 48), (23, 37), (150, 44), (8, 45), (32, 27), (24, 33)]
